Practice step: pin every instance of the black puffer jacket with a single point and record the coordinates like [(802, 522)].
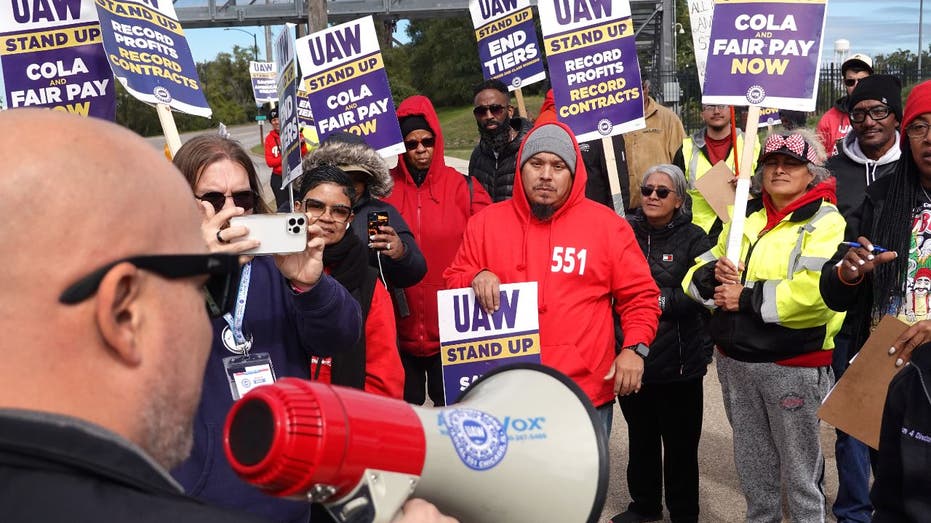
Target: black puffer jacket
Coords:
[(497, 174), (682, 347)]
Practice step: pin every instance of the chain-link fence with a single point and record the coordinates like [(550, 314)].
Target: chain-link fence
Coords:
[(680, 90)]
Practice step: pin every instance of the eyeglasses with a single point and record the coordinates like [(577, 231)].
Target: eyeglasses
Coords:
[(219, 291), (877, 113), (412, 144), (709, 107), (496, 110), (316, 209), (917, 130), (850, 82), (661, 192), (244, 199)]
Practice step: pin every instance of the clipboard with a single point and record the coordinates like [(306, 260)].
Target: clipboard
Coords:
[(855, 404), (716, 187)]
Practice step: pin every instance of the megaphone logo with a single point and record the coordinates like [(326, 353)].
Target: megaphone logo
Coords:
[(523, 444)]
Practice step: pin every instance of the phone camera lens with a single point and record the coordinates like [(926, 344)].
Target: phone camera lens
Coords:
[(300, 221), (292, 221)]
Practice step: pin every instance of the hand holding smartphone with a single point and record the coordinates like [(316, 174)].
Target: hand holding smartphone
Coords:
[(375, 220), (282, 233)]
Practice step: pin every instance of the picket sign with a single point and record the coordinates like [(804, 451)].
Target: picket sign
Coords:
[(617, 199), (743, 186), (169, 129), (521, 108)]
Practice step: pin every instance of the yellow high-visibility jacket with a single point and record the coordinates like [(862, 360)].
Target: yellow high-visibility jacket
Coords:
[(782, 314)]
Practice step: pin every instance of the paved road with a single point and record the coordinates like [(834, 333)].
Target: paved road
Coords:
[(720, 496)]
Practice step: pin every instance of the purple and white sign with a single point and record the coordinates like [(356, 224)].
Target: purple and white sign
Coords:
[(473, 342), (345, 75), (287, 105), (507, 42), (264, 86), (50, 56), (592, 57), (765, 53), (305, 114), (149, 54)]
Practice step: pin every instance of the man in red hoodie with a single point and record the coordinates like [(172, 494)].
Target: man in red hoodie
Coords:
[(585, 260), (436, 201)]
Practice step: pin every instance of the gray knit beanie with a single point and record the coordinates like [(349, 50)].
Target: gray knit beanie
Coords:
[(549, 138)]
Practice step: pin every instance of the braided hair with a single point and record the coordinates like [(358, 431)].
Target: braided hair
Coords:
[(894, 226)]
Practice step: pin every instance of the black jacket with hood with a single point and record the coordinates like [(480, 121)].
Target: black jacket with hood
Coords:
[(682, 347), (855, 172)]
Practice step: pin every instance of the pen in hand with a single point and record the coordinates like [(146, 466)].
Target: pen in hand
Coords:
[(876, 248)]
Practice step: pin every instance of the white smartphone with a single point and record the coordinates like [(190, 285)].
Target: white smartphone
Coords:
[(281, 233)]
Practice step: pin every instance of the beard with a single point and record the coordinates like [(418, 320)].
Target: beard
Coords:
[(168, 422), (498, 137), (542, 211)]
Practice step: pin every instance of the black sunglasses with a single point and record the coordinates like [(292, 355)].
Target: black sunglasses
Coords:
[(877, 113), (662, 192), (850, 82), (244, 199), (220, 289), (412, 144), (496, 110)]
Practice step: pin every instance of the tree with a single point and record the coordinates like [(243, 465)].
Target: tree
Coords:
[(444, 59)]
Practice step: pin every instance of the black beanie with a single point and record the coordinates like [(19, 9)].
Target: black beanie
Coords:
[(410, 124), (885, 88)]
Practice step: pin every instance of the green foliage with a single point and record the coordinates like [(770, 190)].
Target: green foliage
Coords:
[(444, 59)]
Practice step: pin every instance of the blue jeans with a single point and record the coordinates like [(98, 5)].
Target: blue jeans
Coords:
[(606, 412), (853, 458)]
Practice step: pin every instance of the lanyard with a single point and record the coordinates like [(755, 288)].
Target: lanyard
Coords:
[(235, 320)]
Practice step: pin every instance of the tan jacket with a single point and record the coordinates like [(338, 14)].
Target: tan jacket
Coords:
[(655, 144)]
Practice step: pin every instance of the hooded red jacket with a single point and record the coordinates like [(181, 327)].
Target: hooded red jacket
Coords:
[(582, 259), (437, 213)]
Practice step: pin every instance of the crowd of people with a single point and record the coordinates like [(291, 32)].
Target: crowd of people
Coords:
[(645, 281), (116, 397)]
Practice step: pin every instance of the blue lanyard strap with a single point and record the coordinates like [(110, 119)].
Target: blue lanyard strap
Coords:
[(235, 320)]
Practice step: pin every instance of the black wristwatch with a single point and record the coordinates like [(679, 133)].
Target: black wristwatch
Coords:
[(641, 349)]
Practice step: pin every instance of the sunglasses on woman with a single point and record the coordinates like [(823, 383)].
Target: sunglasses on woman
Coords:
[(661, 192), (412, 144), (244, 199)]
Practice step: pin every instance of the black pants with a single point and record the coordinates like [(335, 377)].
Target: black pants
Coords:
[(415, 369), (281, 195), (663, 427)]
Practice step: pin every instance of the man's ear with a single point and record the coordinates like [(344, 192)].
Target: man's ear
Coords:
[(510, 111), (117, 311)]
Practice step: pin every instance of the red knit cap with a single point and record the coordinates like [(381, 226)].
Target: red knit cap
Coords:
[(918, 102)]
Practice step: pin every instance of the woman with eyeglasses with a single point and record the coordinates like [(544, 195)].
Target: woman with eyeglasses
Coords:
[(373, 363), (286, 310), (888, 273), (436, 201), (664, 419), (774, 332)]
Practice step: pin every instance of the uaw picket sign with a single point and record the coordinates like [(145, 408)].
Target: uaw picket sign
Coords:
[(473, 342)]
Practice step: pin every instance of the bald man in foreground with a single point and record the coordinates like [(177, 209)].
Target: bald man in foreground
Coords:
[(105, 331)]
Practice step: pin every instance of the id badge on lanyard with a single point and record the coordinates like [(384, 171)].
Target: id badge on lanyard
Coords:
[(244, 371)]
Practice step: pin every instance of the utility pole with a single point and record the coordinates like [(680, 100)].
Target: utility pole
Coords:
[(316, 15)]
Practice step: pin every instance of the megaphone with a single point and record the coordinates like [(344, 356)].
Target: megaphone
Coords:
[(523, 444)]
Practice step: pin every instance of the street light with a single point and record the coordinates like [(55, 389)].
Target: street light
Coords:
[(255, 41)]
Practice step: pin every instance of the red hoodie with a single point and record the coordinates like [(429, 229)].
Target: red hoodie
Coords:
[(437, 213), (575, 297)]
